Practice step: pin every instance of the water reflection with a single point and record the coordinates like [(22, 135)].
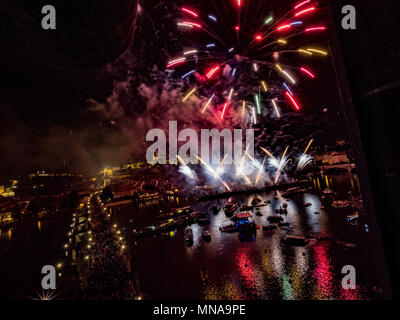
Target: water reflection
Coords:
[(265, 268), (322, 273), (6, 234)]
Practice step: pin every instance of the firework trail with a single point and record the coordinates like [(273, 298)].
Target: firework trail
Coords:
[(303, 162), (185, 170), (247, 64)]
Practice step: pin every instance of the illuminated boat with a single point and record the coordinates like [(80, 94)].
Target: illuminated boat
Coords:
[(275, 219), (295, 240), (241, 215), (230, 208), (204, 274), (189, 237), (245, 207), (230, 228), (206, 236), (293, 191)]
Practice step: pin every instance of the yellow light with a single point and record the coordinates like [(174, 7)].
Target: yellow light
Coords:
[(279, 67), (318, 51), (305, 51), (189, 94), (264, 86), (282, 41)]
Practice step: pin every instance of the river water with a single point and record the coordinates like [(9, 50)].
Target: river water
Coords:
[(264, 268)]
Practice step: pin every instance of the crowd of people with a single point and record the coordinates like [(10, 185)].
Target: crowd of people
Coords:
[(108, 273)]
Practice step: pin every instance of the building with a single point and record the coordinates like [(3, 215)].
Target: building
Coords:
[(332, 158)]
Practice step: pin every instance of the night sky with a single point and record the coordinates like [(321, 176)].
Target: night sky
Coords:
[(88, 119)]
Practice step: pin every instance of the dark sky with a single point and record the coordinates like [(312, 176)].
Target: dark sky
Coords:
[(46, 117)]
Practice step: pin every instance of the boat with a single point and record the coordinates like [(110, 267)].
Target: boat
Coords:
[(295, 240), (247, 230), (259, 205), (203, 221), (230, 228), (293, 191), (206, 236), (245, 207), (204, 274), (270, 227), (241, 215), (215, 210), (281, 210), (174, 213), (230, 208), (338, 204), (189, 237), (350, 247), (352, 218), (283, 224), (275, 219), (199, 215)]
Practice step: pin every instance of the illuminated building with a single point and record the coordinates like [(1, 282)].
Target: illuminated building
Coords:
[(8, 193), (332, 158)]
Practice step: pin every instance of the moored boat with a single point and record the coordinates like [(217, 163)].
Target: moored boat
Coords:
[(295, 240), (206, 236), (189, 237), (230, 208), (215, 210)]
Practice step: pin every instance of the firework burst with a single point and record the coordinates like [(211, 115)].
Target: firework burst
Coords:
[(243, 58)]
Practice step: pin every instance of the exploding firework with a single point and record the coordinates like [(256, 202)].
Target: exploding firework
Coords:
[(303, 162), (252, 65)]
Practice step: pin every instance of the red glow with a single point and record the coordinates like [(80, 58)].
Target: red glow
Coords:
[(174, 63), (194, 14), (302, 4), (239, 3), (223, 111), (286, 26), (245, 266), (192, 24), (323, 272), (212, 72), (237, 28), (315, 29), (298, 14), (292, 99), (258, 37), (307, 72)]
